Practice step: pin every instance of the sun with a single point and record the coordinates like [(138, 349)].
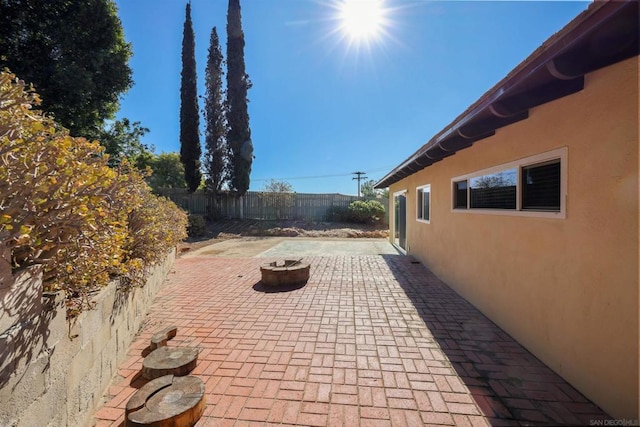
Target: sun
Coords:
[(359, 28), (361, 19)]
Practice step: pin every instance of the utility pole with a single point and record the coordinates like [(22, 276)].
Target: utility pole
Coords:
[(359, 177)]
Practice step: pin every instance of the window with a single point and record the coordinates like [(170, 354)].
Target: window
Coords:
[(534, 186), (423, 200), (541, 186), (494, 191), (460, 195)]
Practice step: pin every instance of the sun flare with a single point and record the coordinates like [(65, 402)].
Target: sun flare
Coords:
[(361, 29), (362, 19)]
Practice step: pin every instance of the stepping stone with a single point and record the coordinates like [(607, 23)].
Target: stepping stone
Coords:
[(178, 361), (160, 338), (167, 401)]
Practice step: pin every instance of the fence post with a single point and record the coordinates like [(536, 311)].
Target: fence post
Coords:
[(241, 208)]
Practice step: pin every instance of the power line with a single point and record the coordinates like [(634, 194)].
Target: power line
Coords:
[(380, 169), (301, 177)]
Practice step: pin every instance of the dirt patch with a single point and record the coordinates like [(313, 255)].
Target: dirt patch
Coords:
[(234, 229)]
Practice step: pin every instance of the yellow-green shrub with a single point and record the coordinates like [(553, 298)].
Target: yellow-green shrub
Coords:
[(62, 206), (154, 227), (60, 202)]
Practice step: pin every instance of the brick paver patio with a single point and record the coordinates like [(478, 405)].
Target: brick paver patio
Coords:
[(370, 340)]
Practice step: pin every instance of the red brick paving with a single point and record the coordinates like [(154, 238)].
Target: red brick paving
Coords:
[(370, 341)]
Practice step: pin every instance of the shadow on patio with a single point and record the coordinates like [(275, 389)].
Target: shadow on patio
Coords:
[(509, 384)]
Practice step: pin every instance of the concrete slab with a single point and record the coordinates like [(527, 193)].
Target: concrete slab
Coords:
[(285, 247), (245, 247), (299, 248)]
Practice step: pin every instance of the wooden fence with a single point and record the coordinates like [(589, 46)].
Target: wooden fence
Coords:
[(260, 205)]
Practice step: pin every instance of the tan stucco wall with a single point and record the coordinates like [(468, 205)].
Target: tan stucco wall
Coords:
[(567, 289)]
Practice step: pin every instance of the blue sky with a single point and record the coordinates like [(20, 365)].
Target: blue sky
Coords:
[(325, 104)]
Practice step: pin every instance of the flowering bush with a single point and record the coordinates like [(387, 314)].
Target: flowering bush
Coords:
[(62, 206)]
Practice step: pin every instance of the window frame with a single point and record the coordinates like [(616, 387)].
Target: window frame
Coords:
[(549, 156), (418, 204), (455, 191)]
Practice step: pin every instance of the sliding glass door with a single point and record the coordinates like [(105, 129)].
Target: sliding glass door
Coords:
[(400, 219)]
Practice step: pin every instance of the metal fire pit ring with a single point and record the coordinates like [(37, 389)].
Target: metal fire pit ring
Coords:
[(285, 273)]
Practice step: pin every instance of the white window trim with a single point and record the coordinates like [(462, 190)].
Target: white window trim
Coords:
[(560, 153), (418, 189)]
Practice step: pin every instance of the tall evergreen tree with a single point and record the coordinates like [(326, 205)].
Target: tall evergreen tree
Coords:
[(238, 84), (215, 158), (190, 150)]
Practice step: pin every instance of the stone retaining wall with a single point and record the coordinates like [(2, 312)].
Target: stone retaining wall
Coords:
[(54, 372)]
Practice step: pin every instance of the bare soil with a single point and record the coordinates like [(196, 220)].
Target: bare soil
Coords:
[(234, 229)]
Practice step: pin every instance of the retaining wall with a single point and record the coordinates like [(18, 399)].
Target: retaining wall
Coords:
[(55, 372)]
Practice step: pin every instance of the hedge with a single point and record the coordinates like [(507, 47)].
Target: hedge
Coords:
[(63, 207)]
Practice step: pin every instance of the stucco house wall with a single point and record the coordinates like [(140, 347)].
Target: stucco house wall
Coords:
[(565, 288)]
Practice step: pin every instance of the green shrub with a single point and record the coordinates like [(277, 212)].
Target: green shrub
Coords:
[(359, 211), (61, 206), (197, 226), (369, 211), (337, 214)]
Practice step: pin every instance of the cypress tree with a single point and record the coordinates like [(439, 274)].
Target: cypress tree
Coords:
[(216, 131), (238, 84), (190, 150)]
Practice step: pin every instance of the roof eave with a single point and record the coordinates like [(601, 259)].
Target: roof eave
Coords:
[(554, 70)]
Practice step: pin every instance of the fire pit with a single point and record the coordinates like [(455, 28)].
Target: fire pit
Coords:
[(285, 273)]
